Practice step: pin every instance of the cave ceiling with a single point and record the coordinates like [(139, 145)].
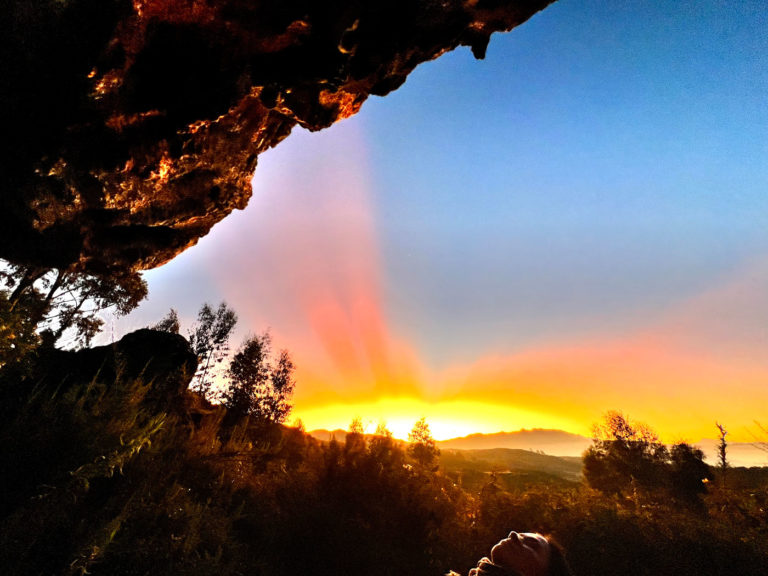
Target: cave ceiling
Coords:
[(130, 128)]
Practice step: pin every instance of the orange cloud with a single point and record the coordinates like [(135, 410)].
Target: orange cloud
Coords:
[(686, 369), (315, 271)]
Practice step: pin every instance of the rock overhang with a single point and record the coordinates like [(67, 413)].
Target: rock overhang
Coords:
[(132, 127)]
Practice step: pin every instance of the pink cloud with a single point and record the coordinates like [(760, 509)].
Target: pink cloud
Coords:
[(687, 367), (307, 262)]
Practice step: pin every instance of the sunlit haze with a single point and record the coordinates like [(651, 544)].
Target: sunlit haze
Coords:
[(576, 224)]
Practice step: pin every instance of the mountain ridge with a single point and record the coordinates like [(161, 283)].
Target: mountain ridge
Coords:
[(547, 440), (554, 442)]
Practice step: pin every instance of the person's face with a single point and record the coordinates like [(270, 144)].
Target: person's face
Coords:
[(526, 553)]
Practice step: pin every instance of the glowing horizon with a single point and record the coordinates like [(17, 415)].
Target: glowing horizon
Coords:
[(446, 420), (328, 308), (352, 361), (532, 244)]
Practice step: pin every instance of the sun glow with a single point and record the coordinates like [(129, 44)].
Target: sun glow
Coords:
[(318, 278), (447, 419)]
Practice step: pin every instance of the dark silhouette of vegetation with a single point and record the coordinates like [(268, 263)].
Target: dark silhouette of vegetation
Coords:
[(209, 338), (259, 385), (256, 383), (722, 452), (422, 447), (123, 470), (169, 323), (687, 473), (48, 304), (628, 460), (624, 456)]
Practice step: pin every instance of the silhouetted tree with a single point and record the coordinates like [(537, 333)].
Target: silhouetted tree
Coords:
[(259, 385), (169, 323), (356, 426), (422, 447), (277, 401), (722, 452), (354, 443), (209, 339), (624, 456), (62, 302), (688, 472), (384, 450)]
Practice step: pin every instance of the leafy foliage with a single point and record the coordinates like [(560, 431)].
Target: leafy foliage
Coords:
[(106, 479), (18, 331), (209, 339), (104, 483), (688, 474), (422, 446), (59, 303), (169, 323), (627, 459), (258, 384)]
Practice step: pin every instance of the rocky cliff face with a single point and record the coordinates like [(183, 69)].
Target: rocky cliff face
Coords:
[(133, 126)]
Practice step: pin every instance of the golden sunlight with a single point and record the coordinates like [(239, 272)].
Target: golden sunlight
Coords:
[(446, 419)]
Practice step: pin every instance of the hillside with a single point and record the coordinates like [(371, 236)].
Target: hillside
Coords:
[(534, 466), (325, 435), (744, 454), (513, 467), (554, 442)]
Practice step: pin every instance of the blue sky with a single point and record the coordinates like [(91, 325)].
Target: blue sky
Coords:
[(594, 189), (599, 161)]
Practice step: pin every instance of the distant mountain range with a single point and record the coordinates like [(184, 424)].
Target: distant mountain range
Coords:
[(553, 442), (561, 443), (738, 453), (326, 435)]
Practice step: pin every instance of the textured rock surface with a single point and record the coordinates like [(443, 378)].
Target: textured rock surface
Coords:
[(133, 126), (160, 359)]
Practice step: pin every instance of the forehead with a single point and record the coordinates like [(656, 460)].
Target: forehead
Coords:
[(535, 536)]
